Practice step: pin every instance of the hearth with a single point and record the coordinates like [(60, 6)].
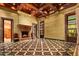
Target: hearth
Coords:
[(24, 34)]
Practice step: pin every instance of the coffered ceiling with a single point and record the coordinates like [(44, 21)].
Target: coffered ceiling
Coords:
[(38, 9)]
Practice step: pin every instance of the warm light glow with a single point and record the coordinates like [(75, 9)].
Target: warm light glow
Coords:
[(2, 4), (51, 12), (45, 12), (31, 6), (7, 31), (61, 8), (50, 8), (13, 8)]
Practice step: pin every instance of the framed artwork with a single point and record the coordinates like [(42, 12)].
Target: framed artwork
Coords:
[(7, 30)]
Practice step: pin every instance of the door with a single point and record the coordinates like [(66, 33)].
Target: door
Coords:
[(42, 29), (34, 30), (7, 30), (71, 30)]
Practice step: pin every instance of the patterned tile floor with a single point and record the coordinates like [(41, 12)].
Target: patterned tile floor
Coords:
[(38, 47)]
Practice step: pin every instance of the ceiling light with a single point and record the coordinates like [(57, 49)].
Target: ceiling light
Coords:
[(40, 11), (13, 8), (45, 12), (2, 4), (61, 7), (50, 8), (51, 12)]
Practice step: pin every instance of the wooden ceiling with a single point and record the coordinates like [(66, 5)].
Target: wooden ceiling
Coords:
[(38, 9)]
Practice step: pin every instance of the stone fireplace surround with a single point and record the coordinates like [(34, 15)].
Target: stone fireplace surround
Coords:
[(24, 34), (25, 31)]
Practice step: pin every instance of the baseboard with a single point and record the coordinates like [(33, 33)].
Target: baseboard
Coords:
[(54, 39)]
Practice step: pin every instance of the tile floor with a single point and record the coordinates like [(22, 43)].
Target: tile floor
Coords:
[(38, 47)]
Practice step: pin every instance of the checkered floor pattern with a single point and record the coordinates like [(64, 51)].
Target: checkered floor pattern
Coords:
[(38, 47)]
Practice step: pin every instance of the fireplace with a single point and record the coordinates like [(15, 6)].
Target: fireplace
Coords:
[(24, 34), (24, 30)]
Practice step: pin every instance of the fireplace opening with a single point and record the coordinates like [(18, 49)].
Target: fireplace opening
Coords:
[(24, 34)]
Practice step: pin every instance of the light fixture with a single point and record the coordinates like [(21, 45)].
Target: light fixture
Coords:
[(61, 7), (45, 12), (13, 8), (40, 11), (51, 12), (2, 4), (50, 8)]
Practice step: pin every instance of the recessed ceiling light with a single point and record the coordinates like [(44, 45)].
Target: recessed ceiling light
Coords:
[(40, 11), (51, 12), (45, 12), (2, 4), (61, 7), (50, 8), (13, 8)]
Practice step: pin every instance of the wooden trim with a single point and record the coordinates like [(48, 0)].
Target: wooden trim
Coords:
[(3, 18), (68, 14)]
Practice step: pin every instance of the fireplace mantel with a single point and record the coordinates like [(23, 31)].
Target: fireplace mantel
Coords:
[(24, 27)]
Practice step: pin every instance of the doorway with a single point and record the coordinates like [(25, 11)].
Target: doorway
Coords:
[(7, 30), (34, 30), (71, 30), (42, 29)]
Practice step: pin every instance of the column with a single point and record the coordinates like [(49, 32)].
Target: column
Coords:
[(77, 22)]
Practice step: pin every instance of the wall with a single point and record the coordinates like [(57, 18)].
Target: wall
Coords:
[(55, 24), (11, 15), (76, 52), (18, 18), (26, 19)]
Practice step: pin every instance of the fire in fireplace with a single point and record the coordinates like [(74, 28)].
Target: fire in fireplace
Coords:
[(24, 34)]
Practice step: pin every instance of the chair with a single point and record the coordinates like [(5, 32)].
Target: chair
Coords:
[(16, 37)]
